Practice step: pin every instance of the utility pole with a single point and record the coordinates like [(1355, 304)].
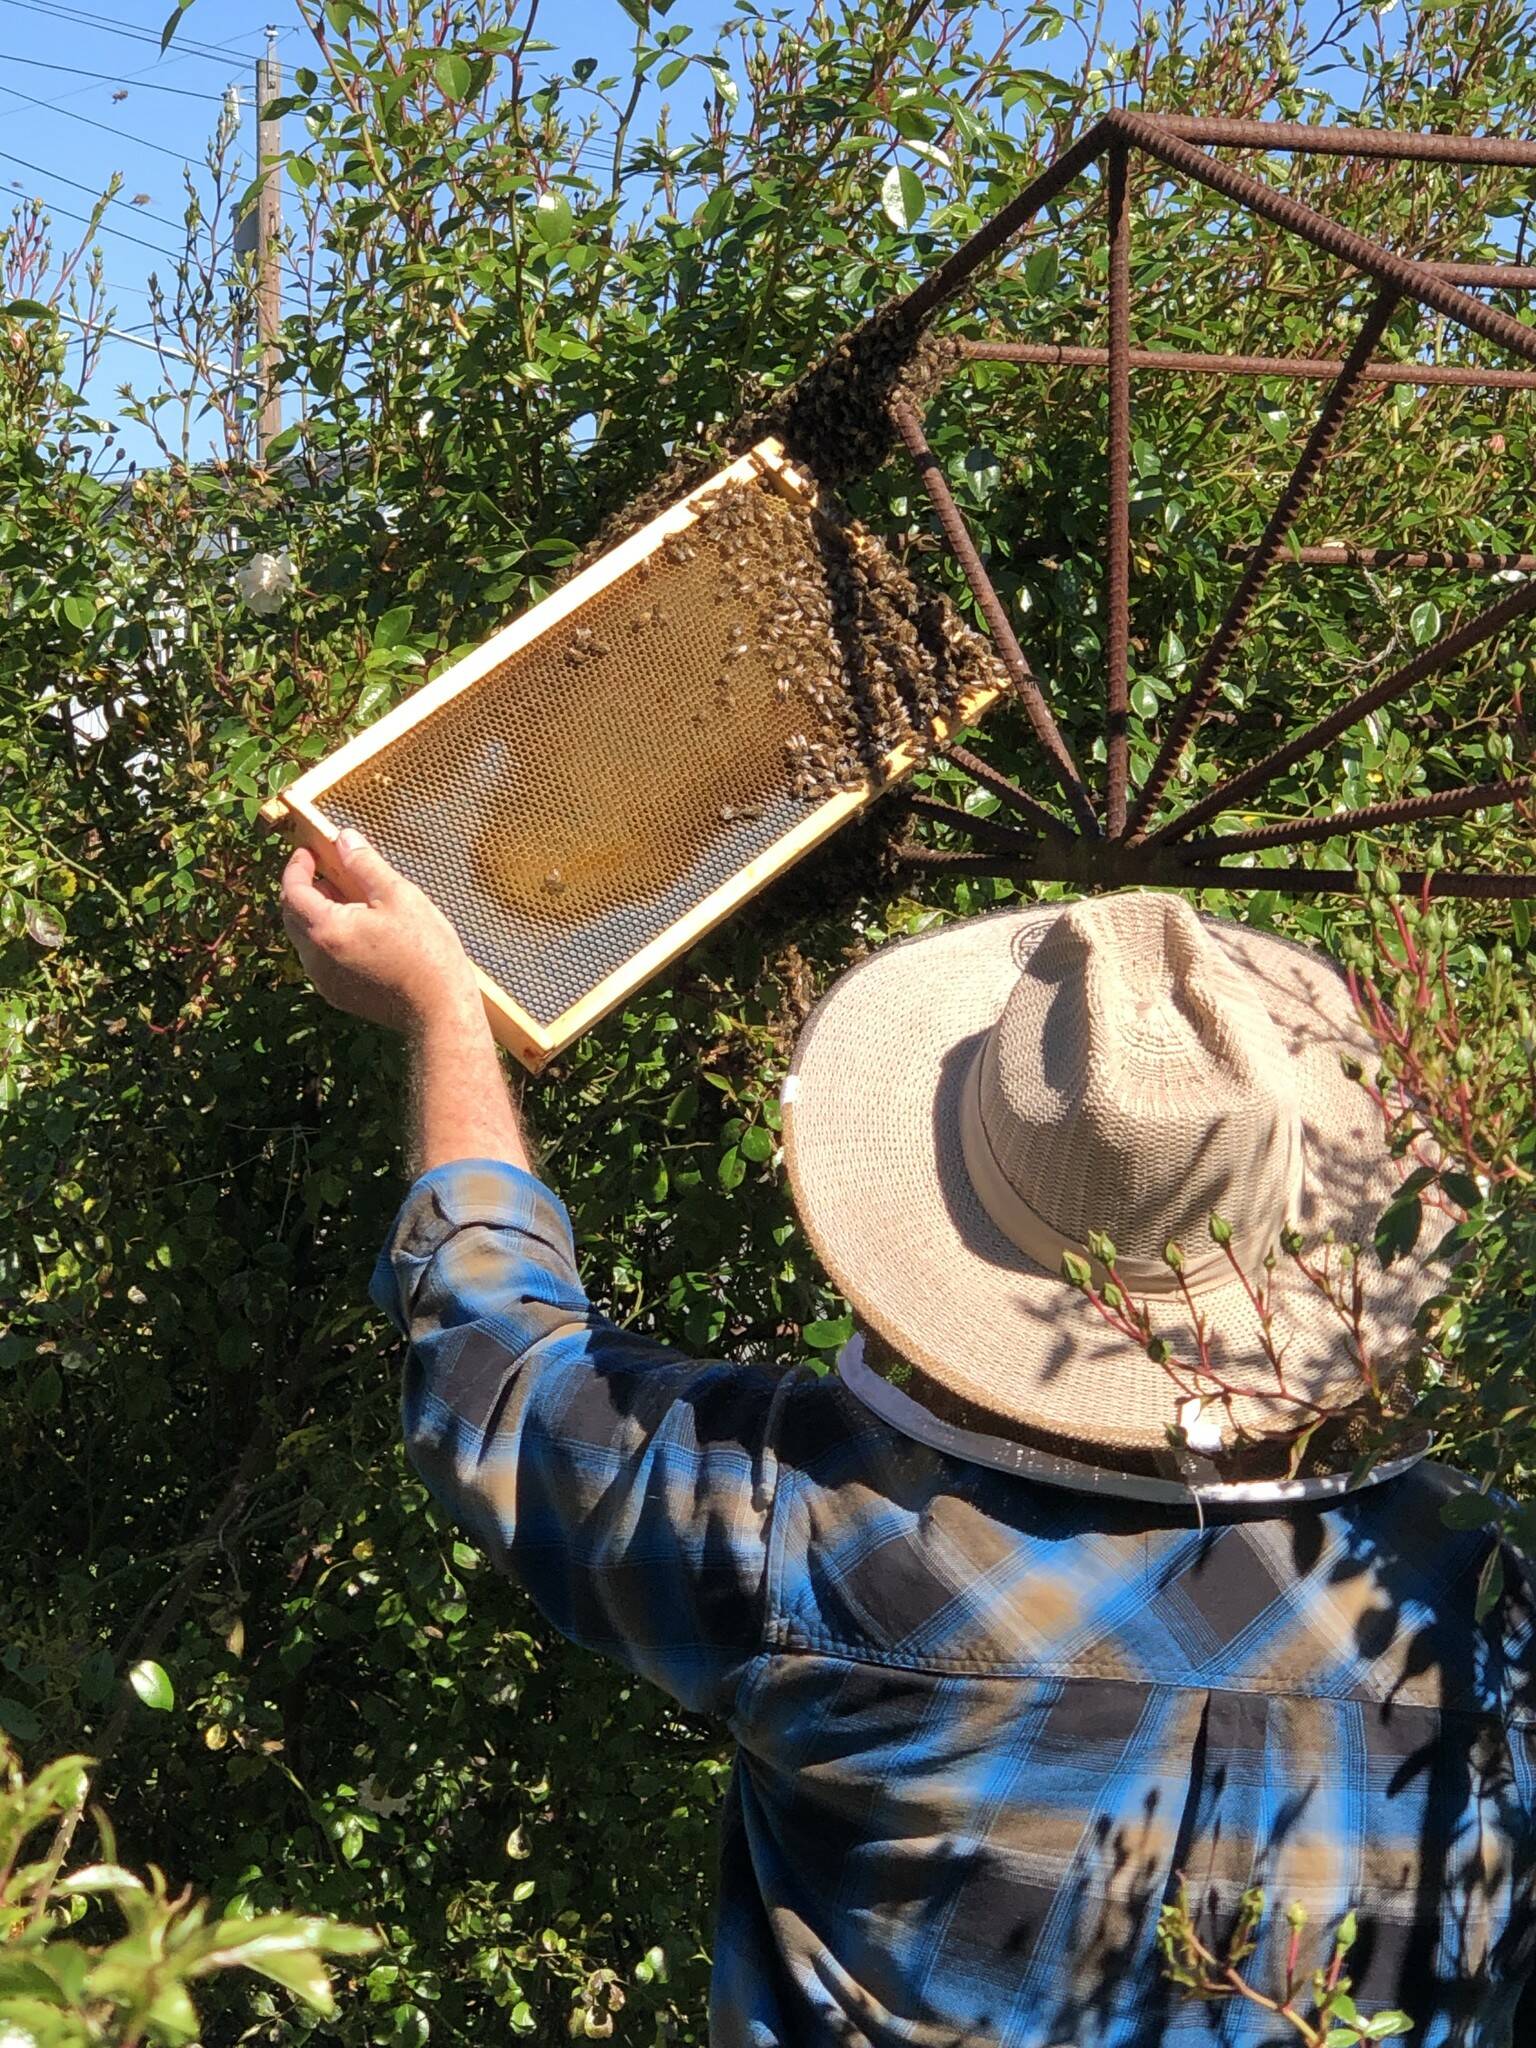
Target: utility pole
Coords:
[(269, 231)]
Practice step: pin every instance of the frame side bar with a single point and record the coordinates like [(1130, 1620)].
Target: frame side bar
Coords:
[(1117, 563), (1429, 661), (1196, 700), (1398, 273), (957, 533)]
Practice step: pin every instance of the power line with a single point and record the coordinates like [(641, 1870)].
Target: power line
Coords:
[(177, 157), (119, 334), (106, 228), (110, 77), (113, 25), (41, 171)]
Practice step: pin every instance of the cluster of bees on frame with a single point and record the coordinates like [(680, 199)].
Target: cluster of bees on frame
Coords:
[(866, 657)]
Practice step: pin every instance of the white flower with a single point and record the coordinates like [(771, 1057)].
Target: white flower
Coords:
[(373, 1799), (265, 582), (1202, 1430)]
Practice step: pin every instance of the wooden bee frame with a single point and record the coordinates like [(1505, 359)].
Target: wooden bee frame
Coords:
[(316, 807)]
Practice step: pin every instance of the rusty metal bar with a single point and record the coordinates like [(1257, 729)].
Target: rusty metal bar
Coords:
[(1484, 625), (941, 284), (1343, 882), (1475, 560), (1110, 865), (1117, 552), (1511, 276), (1331, 555), (1061, 355), (1196, 700), (1410, 280), (957, 533), (1407, 810), (1004, 789), (1380, 142), (1008, 838), (919, 856)]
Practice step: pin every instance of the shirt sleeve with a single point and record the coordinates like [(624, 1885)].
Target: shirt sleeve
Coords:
[(627, 1488)]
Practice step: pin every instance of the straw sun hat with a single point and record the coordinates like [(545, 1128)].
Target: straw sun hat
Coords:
[(967, 1106)]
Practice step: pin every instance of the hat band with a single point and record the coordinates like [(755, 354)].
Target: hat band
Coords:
[(1039, 1240)]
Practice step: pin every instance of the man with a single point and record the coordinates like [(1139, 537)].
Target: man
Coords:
[(1003, 1648)]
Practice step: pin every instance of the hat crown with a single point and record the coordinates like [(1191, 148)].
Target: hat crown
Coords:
[(1133, 1083)]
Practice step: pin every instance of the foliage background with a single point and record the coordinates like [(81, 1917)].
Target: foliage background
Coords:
[(508, 307)]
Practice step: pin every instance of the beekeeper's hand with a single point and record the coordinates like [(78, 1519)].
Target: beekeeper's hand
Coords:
[(382, 950)]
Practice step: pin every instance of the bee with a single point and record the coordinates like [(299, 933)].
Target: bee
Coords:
[(554, 883)]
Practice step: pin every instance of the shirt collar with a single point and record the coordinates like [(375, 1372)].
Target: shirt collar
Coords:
[(1001, 1454)]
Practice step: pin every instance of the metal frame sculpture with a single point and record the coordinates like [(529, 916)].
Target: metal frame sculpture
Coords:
[(1119, 839)]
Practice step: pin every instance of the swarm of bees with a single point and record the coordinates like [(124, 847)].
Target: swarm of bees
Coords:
[(868, 655), (870, 658), (836, 418)]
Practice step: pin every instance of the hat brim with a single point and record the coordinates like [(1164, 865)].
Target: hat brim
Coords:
[(873, 1151)]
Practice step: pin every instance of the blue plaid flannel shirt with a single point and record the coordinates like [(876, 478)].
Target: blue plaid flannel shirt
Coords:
[(980, 1723)]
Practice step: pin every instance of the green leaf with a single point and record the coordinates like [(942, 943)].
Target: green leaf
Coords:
[(26, 309), (1469, 1510), (101, 1877), (299, 1971), (152, 1683), (1424, 623), (80, 610), (1042, 267), (552, 221), (18, 1719), (902, 196), (1381, 2026), (377, 696), (830, 1335), (394, 629), (671, 72), (639, 12), (1398, 1231), (45, 1392), (172, 24), (1463, 1190), (453, 74), (173, 2016), (1490, 1585), (756, 1144), (732, 1170)]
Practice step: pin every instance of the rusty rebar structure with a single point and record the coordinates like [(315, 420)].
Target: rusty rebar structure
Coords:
[(1120, 838)]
